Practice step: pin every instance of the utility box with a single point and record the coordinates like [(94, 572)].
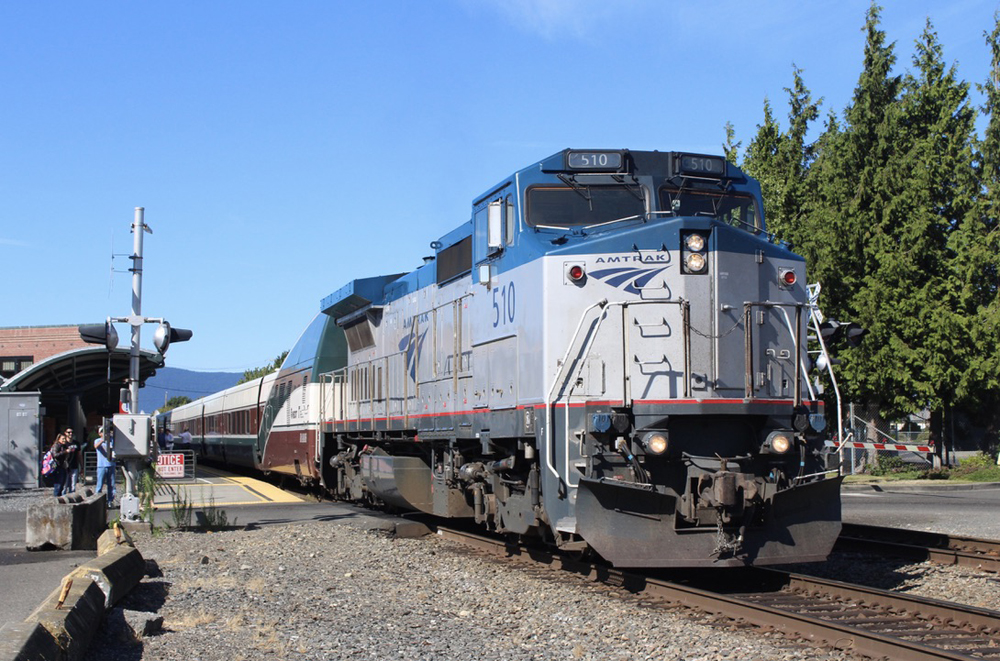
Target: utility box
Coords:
[(20, 440), (133, 435)]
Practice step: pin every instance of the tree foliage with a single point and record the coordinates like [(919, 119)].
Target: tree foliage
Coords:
[(174, 402), (895, 206), (256, 373)]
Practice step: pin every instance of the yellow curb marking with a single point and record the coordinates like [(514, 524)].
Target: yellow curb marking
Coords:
[(266, 493)]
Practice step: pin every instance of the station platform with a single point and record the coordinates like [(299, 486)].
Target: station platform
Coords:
[(213, 487)]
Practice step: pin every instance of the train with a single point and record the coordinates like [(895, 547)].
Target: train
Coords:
[(611, 356)]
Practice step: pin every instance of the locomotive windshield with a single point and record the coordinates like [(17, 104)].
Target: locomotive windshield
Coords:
[(733, 208), (560, 206)]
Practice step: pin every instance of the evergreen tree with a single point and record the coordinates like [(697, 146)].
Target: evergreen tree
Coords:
[(976, 264), (780, 160), (797, 156), (841, 198), (762, 164), (731, 147), (918, 345)]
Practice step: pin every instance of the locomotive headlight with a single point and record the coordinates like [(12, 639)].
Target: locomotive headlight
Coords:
[(778, 442), (695, 242), (694, 252), (655, 442), (695, 262)]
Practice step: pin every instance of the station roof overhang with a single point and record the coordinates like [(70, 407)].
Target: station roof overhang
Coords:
[(92, 373)]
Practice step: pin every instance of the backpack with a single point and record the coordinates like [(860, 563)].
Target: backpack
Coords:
[(48, 463)]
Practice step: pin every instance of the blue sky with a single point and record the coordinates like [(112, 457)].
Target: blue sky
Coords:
[(281, 149)]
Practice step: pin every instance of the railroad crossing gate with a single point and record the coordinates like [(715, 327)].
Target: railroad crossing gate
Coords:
[(863, 455)]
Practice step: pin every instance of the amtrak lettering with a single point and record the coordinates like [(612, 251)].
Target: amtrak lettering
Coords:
[(645, 259)]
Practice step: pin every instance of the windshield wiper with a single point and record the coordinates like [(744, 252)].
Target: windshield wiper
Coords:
[(578, 188), (636, 216), (633, 187)]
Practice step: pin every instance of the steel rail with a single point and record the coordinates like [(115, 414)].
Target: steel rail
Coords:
[(854, 618), (982, 554)]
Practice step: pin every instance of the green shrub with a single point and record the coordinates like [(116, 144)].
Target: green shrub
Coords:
[(888, 464), (180, 509), (976, 462)]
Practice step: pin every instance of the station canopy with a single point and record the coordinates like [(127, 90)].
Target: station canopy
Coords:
[(92, 373)]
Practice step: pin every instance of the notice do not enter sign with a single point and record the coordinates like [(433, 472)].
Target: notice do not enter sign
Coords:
[(170, 465)]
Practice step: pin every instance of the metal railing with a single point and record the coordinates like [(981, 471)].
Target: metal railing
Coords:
[(89, 475)]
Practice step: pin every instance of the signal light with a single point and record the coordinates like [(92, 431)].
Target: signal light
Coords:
[(833, 331), (854, 334), (100, 334), (787, 277), (576, 273), (164, 335)]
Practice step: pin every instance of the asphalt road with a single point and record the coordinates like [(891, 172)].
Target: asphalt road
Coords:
[(950, 509), (26, 578)]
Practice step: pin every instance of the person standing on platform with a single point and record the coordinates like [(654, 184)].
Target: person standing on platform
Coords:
[(62, 451), (105, 464), (73, 460)]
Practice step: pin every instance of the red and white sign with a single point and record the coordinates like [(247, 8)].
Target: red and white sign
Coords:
[(170, 465)]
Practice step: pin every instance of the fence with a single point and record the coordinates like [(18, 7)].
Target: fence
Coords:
[(182, 469), (874, 445)]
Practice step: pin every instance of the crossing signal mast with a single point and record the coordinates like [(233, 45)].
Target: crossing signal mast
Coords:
[(829, 332), (133, 433)]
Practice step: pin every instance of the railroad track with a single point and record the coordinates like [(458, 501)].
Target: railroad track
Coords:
[(863, 620), (918, 545)]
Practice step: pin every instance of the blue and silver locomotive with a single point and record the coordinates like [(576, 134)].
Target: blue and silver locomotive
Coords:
[(609, 355)]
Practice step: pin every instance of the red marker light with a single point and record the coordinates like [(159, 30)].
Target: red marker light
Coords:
[(576, 273), (788, 277)]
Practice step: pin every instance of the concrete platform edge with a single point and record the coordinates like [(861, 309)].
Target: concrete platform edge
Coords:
[(58, 634)]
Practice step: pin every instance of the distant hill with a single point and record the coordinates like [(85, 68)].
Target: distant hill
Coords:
[(173, 381)]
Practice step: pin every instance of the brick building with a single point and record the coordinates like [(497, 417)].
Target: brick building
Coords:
[(23, 346)]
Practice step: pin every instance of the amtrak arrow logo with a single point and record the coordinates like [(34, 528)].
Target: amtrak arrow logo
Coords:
[(629, 279), (411, 349)]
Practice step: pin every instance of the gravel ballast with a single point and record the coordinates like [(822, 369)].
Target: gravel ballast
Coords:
[(327, 590), (333, 590)]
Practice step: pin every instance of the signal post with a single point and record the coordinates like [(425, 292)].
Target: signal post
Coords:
[(133, 433)]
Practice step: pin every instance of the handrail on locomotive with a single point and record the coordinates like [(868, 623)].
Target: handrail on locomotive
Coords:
[(572, 376)]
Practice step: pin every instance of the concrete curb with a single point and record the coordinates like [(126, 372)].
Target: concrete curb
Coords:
[(62, 627), (73, 521), (73, 624), (27, 641), (115, 573)]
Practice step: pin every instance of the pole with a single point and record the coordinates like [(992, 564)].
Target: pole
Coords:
[(129, 507), (138, 226)]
